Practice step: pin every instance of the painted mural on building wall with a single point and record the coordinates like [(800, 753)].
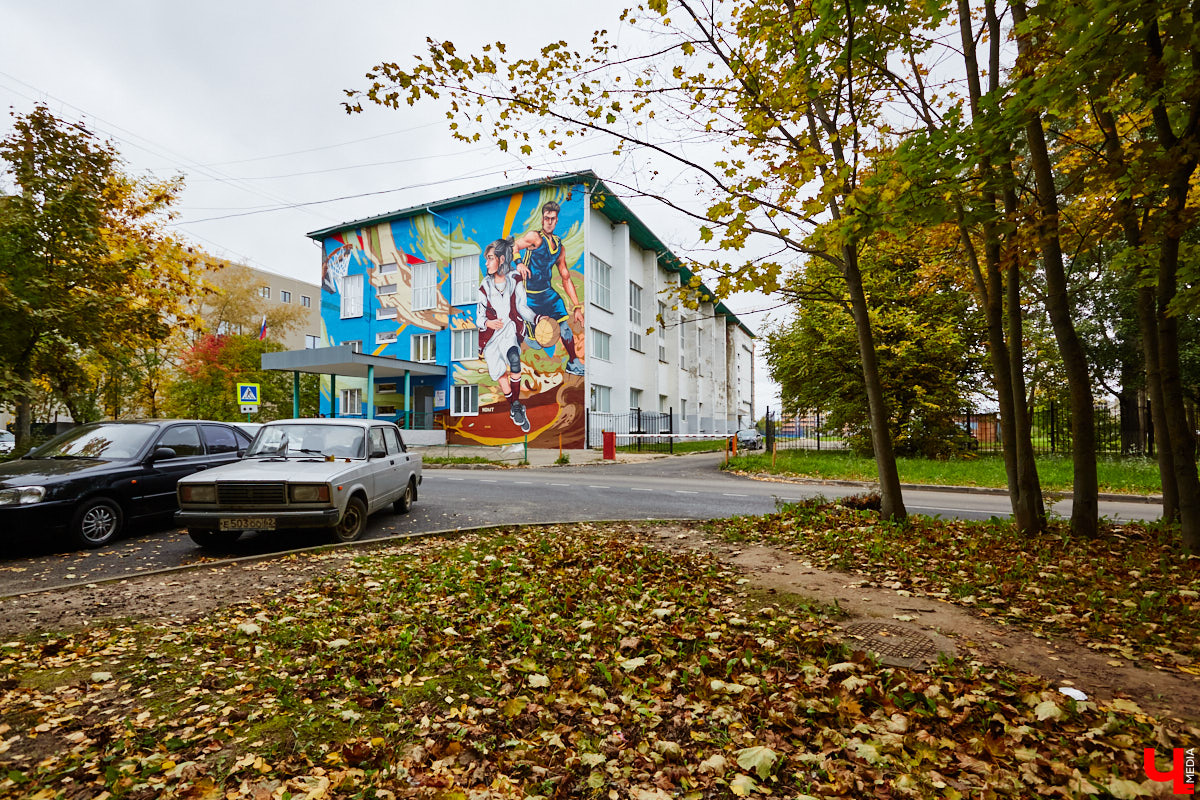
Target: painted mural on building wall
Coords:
[(495, 291)]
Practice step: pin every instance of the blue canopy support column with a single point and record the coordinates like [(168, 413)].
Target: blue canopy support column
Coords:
[(370, 391), (295, 394), (407, 400)]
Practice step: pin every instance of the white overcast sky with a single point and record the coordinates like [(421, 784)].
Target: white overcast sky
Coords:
[(244, 100)]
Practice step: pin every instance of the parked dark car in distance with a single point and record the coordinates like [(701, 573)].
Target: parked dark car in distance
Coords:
[(749, 439), (93, 479)]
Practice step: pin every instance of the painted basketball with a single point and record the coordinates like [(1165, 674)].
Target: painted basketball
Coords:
[(545, 332)]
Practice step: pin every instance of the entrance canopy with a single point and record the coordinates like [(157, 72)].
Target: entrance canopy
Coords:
[(345, 360)]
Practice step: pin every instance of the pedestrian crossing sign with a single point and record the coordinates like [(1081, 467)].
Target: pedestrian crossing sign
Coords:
[(247, 394)]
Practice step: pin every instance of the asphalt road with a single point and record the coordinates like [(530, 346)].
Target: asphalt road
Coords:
[(685, 487)]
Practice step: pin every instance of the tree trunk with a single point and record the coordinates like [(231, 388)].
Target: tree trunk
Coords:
[(24, 420), (881, 433), (1085, 507)]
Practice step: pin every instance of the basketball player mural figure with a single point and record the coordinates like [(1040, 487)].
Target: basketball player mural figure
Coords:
[(544, 251), (500, 315)]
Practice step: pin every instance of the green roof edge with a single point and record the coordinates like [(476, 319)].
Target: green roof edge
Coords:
[(638, 231)]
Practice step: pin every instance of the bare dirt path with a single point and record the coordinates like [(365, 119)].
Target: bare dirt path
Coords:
[(175, 598)]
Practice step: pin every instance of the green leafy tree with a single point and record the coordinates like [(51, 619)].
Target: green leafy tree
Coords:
[(927, 354), (206, 384), (85, 263)]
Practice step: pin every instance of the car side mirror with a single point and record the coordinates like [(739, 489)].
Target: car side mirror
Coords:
[(161, 453), (379, 454)]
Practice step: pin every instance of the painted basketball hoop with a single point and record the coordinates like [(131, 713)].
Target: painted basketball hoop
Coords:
[(334, 268)]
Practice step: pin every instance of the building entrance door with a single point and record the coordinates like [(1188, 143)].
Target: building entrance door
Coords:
[(423, 408)]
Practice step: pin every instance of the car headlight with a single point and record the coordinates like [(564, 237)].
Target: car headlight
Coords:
[(308, 493), (197, 493), (22, 495)]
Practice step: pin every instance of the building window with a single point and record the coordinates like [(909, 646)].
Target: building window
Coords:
[(352, 296), (601, 345), (355, 345), (464, 280), (388, 268), (464, 401), (387, 313), (635, 399), (285, 296), (389, 411), (311, 342), (699, 348), (635, 317), (424, 347), (662, 404), (306, 301), (601, 398), (264, 292), (683, 409), (601, 283), (424, 286), (662, 332), (389, 288), (464, 344), (351, 402), (385, 338)]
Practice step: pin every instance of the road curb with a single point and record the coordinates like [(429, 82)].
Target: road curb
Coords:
[(364, 544), (935, 487)]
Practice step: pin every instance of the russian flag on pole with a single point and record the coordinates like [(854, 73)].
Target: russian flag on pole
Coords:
[(262, 332)]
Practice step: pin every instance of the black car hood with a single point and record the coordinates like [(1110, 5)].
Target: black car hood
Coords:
[(39, 471)]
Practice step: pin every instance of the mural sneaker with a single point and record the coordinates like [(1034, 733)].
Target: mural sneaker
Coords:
[(575, 367), (517, 412)]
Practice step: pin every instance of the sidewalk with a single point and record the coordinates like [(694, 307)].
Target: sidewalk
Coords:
[(512, 455)]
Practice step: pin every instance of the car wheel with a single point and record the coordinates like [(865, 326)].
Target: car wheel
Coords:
[(404, 504), (96, 522), (214, 539), (353, 521)]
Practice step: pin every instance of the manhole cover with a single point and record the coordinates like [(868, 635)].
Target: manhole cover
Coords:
[(895, 644)]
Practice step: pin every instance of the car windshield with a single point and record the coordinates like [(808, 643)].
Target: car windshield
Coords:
[(5, 436), (311, 439), (98, 441)]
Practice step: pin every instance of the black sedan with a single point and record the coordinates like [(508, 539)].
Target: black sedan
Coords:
[(93, 479)]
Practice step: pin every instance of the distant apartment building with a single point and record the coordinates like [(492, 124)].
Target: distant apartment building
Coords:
[(528, 306), (272, 292)]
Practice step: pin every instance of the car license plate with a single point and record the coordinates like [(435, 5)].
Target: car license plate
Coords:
[(248, 524)]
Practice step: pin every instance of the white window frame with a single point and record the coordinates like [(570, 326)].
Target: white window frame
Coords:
[(635, 317), (461, 392), (635, 399), (351, 290), (387, 313), (264, 292), (464, 344), (285, 296), (385, 337), (424, 348), (464, 280), (350, 403), (662, 331), (683, 409), (601, 399), (425, 286), (387, 288), (600, 284), (355, 344), (388, 268), (663, 403), (601, 346), (311, 341)]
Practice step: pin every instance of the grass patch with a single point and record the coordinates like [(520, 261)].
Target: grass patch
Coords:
[(1132, 591), (570, 661), (457, 460), (1122, 475)]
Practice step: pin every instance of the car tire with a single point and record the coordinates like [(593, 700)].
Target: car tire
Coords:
[(404, 504), (96, 522), (214, 539), (353, 522)]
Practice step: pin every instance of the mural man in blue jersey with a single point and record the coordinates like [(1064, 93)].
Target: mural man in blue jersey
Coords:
[(543, 252)]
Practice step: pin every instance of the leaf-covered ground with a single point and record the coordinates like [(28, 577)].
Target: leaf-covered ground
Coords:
[(558, 662), (1131, 592)]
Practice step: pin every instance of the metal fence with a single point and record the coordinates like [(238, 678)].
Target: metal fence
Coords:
[(1125, 430), (655, 430)]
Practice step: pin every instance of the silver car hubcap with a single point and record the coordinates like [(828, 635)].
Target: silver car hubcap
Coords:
[(98, 523)]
